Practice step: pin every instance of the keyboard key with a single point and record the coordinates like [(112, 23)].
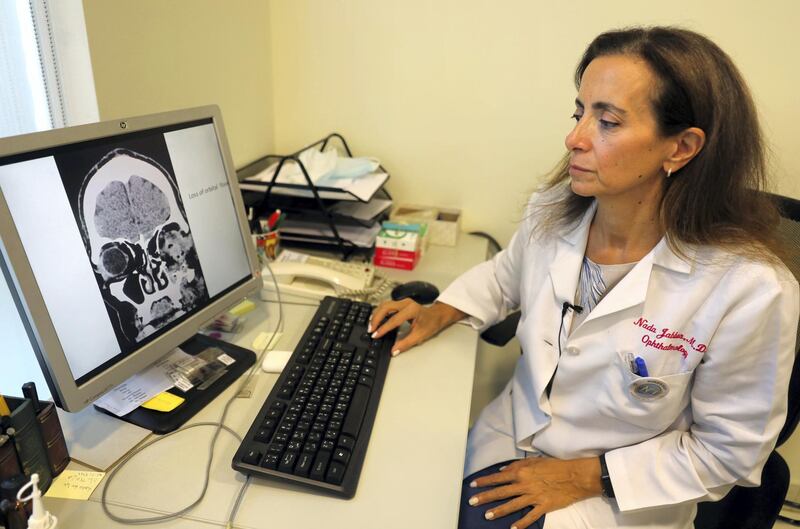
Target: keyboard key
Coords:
[(358, 407), (335, 473), (345, 441), (320, 465), (342, 455), (271, 461), (304, 463), (252, 457), (287, 462), (264, 435)]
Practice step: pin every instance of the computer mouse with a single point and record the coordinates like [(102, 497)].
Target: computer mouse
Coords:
[(420, 291)]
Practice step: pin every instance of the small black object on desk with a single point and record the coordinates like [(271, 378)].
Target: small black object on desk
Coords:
[(420, 291)]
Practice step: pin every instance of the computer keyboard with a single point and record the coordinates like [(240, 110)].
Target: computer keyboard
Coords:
[(314, 427)]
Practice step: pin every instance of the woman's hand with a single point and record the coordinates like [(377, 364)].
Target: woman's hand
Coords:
[(545, 484), (425, 321)]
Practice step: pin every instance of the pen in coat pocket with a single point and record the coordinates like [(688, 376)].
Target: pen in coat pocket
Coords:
[(641, 367)]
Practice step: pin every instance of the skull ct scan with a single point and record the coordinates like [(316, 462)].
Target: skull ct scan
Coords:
[(134, 226)]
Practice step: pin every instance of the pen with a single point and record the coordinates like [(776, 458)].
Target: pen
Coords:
[(641, 367), (4, 409)]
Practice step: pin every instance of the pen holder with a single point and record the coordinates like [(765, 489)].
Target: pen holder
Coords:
[(24, 431), (50, 435), (267, 246)]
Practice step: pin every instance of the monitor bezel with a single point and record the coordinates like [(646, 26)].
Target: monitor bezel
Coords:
[(25, 289)]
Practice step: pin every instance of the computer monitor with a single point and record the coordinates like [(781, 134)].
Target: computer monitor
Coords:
[(119, 241)]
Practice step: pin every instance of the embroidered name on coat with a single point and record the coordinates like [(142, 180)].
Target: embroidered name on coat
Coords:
[(663, 339)]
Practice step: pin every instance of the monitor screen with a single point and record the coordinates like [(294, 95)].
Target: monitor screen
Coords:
[(119, 241)]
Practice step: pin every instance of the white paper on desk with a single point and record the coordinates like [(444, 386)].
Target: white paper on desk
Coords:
[(143, 386), (362, 210)]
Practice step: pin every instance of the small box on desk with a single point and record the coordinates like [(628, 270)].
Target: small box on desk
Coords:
[(400, 245), (443, 223)]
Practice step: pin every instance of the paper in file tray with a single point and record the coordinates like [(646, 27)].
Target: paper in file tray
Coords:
[(361, 189), (311, 232)]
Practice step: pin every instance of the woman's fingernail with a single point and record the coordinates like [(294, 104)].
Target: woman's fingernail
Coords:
[(373, 334), (473, 484), (489, 515), (369, 327), (502, 468), (396, 352), (473, 500)]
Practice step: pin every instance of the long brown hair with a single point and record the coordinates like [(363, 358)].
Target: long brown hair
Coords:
[(714, 199)]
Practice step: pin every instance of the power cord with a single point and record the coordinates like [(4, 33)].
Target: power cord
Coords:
[(220, 425)]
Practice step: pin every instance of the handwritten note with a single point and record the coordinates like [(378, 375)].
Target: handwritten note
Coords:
[(75, 484)]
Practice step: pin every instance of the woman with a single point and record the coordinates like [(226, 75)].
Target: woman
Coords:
[(658, 325)]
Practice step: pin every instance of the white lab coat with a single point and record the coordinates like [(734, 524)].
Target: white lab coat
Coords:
[(718, 331)]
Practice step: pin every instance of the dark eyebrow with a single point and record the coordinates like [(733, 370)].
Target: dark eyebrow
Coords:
[(602, 105)]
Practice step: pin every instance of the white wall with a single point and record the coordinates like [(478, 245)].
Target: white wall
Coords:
[(151, 56), (468, 101)]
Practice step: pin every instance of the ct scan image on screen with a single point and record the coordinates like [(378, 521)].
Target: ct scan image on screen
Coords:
[(136, 233)]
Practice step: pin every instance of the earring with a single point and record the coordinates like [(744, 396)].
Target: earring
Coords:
[(669, 172)]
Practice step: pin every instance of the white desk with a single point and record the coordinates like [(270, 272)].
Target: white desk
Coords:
[(412, 472)]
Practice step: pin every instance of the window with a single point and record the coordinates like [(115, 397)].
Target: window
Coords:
[(45, 82), (45, 71)]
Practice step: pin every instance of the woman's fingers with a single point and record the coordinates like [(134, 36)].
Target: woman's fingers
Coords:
[(425, 321), (509, 507), (420, 331), (529, 518), (498, 478), (389, 309), (497, 493)]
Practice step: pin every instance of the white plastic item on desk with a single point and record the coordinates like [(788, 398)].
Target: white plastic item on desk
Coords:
[(275, 361), (40, 518)]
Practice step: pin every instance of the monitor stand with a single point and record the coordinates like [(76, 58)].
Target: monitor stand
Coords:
[(195, 399)]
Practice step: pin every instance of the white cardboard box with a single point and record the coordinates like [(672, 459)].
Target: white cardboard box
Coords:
[(443, 223)]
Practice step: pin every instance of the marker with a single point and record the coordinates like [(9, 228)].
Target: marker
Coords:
[(273, 219), (4, 409), (641, 367)]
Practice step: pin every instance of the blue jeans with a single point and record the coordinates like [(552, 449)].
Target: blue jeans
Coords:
[(470, 517)]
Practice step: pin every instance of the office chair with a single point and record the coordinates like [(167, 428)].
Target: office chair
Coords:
[(743, 507)]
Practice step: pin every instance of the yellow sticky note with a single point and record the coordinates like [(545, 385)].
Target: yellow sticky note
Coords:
[(242, 308), (164, 401), (74, 484)]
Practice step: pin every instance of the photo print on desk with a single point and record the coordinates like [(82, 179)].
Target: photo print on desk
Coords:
[(132, 220)]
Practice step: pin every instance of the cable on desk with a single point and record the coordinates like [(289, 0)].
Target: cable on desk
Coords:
[(220, 426), (492, 241), (164, 517)]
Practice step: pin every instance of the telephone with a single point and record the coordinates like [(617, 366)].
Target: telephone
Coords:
[(315, 277)]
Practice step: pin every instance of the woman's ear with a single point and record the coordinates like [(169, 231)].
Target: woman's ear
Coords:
[(688, 143)]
